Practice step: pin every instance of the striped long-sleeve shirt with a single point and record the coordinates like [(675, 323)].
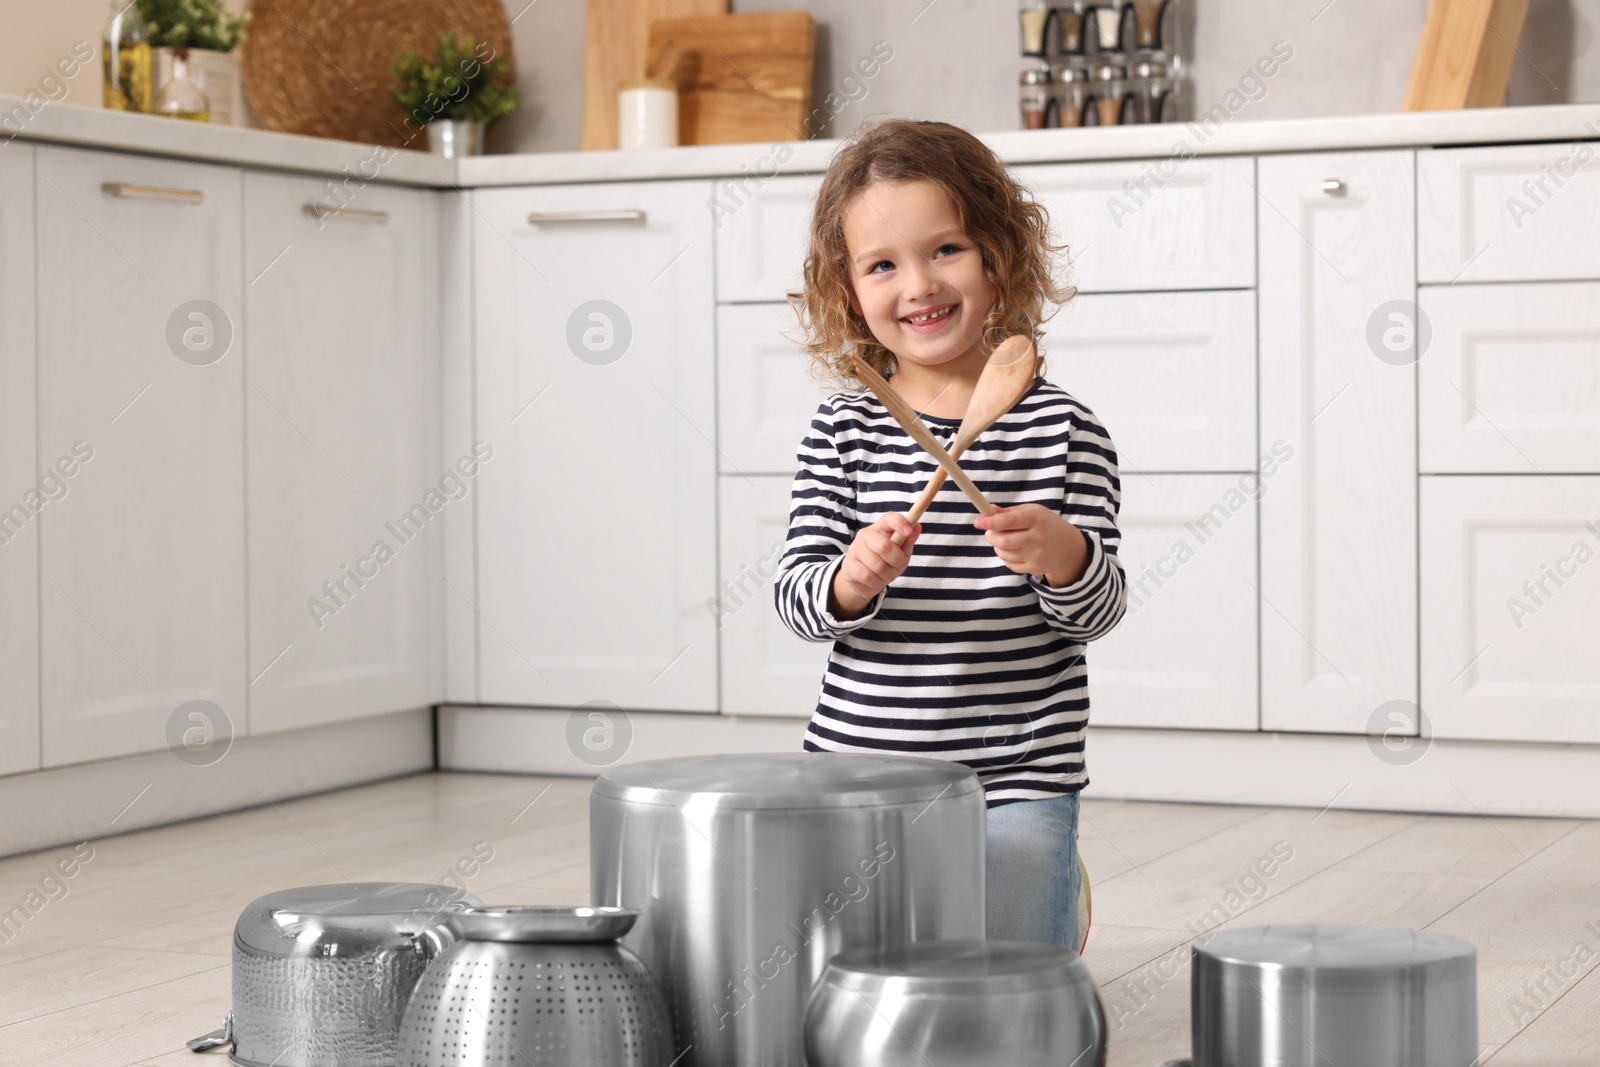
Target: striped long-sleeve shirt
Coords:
[(960, 658)]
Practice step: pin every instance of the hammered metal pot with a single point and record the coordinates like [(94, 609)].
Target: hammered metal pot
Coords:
[(322, 974), (537, 987)]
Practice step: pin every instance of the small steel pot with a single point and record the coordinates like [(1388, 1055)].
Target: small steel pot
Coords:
[(537, 987), (321, 974), (976, 1003), (1308, 996)]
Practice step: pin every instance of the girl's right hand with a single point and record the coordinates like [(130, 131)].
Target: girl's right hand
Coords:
[(872, 562)]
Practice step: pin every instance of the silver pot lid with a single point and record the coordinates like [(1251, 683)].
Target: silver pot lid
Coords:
[(327, 920), (543, 924), (958, 968), (795, 780), (1312, 947)]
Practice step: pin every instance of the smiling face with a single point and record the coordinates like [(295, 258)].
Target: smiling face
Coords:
[(917, 278)]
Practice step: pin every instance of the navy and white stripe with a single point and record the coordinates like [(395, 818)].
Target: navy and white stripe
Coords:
[(960, 658)]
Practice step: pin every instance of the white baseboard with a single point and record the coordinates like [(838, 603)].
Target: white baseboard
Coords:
[(91, 800), (1195, 766)]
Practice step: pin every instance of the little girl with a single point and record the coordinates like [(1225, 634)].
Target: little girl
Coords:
[(966, 642)]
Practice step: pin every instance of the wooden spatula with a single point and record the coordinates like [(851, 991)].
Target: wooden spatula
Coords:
[(912, 424), (1005, 378)]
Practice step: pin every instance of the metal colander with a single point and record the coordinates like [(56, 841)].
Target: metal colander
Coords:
[(554, 1003)]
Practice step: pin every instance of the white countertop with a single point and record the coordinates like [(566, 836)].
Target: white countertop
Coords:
[(97, 128)]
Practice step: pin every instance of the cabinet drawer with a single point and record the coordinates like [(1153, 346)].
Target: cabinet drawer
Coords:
[(1184, 655), (761, 236), (1130, 226), (766, 669), (766, 396), (1511, 382), (1172, 375), (1508, 213), (1510, 587)]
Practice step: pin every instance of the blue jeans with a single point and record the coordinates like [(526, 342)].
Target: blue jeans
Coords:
[(1031, 878)]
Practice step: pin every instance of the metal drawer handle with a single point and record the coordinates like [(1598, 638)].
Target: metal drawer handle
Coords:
[(1333, 187), (124, 191), (544, 218), (320, 211)]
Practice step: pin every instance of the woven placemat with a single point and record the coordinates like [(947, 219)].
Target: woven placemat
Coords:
[(321, 67)]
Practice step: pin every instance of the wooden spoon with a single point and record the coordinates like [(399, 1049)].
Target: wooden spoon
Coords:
[(1005, 378)]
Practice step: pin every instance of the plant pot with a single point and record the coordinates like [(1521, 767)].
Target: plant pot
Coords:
[(216, 74), (454, 138)]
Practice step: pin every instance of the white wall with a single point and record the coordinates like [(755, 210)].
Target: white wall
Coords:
[(957, 60)]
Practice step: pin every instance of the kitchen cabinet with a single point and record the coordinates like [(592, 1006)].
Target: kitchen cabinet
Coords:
[(763, 228), (1152, 224), (1488, 394), (142, 563), (1172, 375), (346, 489), (1338, 523), (766, 669), (1508, 213), (1511, 607), (597, 511), (1184, 654), (766, 394), (21, 493)]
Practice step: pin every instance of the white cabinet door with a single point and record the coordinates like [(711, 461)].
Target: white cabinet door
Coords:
[(1172, 375), (766, 395), (1511, 607), (763, 230), (1184, 656), (1338, 527), (597, 514), (346, 490), (142, 563), (1511, 383), (766, 669), (1162, 224), (22, 496), (1508, 213)]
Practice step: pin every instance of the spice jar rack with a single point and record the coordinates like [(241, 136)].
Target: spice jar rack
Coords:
[(1110, 63)]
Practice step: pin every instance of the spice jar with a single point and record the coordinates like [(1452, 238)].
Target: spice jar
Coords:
[(1151, 87), (1147, 16), (1034, 96), (1071, 90), (1035, 15), (1108, 18), (1070, 22), (1109, 87)]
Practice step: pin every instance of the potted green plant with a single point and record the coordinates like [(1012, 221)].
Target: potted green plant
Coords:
[(196, 40), (456, 96)]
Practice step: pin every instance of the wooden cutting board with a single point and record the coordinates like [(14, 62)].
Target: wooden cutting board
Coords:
[(1464, 57), (741, 77), (615, 35)]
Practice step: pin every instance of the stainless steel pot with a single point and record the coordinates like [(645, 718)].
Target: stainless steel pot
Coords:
[(752, 871), (974, 1003), (537, 987), (1308, 996), (321, 974)]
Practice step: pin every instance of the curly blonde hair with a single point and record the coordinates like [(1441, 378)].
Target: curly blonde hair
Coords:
[(1000, 216)]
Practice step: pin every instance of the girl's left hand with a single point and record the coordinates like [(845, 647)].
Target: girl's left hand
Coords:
[(1033, 539)]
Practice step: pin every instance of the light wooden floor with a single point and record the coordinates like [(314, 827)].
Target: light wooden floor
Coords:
[(133, 959)]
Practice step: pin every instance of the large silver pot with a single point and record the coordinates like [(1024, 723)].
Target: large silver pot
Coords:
[(752, 871), (321, 974), (973, 1003), (1308, 996), (537, 987)]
